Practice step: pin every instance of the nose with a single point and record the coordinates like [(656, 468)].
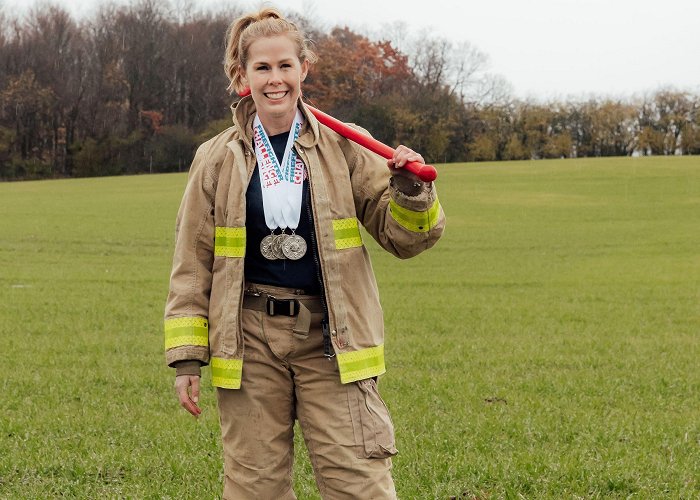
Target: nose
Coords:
[(275, 77)]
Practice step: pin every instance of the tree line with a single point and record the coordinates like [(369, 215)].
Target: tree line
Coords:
[(135, 88)]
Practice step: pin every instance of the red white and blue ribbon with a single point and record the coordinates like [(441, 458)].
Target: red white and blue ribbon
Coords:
[(281, 183)]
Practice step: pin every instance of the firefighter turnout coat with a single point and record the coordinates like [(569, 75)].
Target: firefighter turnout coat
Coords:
[(349, 186)]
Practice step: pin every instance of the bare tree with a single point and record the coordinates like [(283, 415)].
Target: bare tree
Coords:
[(675, 115), (461, 68)]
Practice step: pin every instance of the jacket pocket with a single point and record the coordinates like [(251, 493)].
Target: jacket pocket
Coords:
[(371, 423)]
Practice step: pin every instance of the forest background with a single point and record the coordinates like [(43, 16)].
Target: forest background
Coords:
[(136, 88)]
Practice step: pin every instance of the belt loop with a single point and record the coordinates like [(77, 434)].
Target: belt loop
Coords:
[(303, 324), (270, 305)]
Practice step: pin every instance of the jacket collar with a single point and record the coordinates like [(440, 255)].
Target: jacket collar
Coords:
[(244, 114)]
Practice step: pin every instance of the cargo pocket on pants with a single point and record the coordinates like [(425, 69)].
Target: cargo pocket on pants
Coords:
[(371, 423)]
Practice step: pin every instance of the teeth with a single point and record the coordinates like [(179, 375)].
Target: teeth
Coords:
[(276, 95)]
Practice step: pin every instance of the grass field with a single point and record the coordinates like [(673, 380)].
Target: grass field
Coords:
[(547, 347)]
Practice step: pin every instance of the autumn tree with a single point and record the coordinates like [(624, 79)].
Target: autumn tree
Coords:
[(353, 69)]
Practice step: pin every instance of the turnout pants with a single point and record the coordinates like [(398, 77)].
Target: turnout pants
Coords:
[(346, 427)]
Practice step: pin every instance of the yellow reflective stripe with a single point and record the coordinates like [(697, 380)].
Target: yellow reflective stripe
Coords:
[(226, 373), (362, 364), (186, 331), (347, 233), (229, 241), (417, 222)]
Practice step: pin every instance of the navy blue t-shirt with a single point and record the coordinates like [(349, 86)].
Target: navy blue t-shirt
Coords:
[(302, 274)]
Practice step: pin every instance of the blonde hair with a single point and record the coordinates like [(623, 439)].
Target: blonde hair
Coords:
[(246, 29)]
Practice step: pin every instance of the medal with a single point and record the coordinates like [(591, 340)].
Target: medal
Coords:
[(294, 247), (277, 245), (266, 247)]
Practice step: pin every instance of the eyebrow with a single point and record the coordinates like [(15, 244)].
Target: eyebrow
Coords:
[(288, 59)]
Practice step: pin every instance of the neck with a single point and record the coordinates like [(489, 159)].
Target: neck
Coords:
[(277, 124)]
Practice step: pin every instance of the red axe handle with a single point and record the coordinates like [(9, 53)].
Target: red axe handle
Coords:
[(426, 173)]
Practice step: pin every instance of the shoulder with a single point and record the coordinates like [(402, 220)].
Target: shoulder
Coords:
[(211, 153), (209, 159), (215, 147), (350, 149), (355, 155)]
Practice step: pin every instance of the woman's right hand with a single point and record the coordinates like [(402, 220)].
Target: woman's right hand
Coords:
[(187, 388)]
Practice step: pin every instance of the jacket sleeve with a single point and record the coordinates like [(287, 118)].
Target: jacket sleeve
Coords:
[(402, 224), (187, 306)]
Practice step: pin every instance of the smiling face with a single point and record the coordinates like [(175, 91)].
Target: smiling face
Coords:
[(274, 74)]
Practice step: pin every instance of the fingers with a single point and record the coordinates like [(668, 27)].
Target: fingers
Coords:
[(182, 384), (195, 389), (403, 155)]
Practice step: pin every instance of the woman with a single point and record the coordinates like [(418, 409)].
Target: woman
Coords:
[(271, 284)]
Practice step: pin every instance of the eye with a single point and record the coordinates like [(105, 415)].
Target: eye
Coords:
[(261, 67)]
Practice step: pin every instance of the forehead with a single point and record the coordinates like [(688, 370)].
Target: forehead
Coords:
[(272, 48)]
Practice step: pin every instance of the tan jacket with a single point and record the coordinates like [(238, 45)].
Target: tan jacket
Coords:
[(348, 185)]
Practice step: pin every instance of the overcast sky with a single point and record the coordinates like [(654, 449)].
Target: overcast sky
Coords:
[(543, 48)]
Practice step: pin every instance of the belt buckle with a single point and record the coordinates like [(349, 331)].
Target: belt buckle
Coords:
[(275, 306)]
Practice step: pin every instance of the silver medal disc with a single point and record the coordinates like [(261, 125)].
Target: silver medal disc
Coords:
[(277, 245), (294, 247), (266, 247)]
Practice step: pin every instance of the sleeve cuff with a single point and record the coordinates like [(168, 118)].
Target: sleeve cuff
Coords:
[(188, 368), (422, 200), (408, 185)]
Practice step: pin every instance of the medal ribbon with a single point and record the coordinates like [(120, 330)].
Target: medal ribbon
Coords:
[(281, 184)]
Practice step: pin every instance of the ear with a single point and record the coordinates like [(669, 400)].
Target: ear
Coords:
[(244, 77), (304, 69)]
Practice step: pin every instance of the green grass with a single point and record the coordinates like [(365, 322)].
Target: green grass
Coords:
[(547, 347)]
